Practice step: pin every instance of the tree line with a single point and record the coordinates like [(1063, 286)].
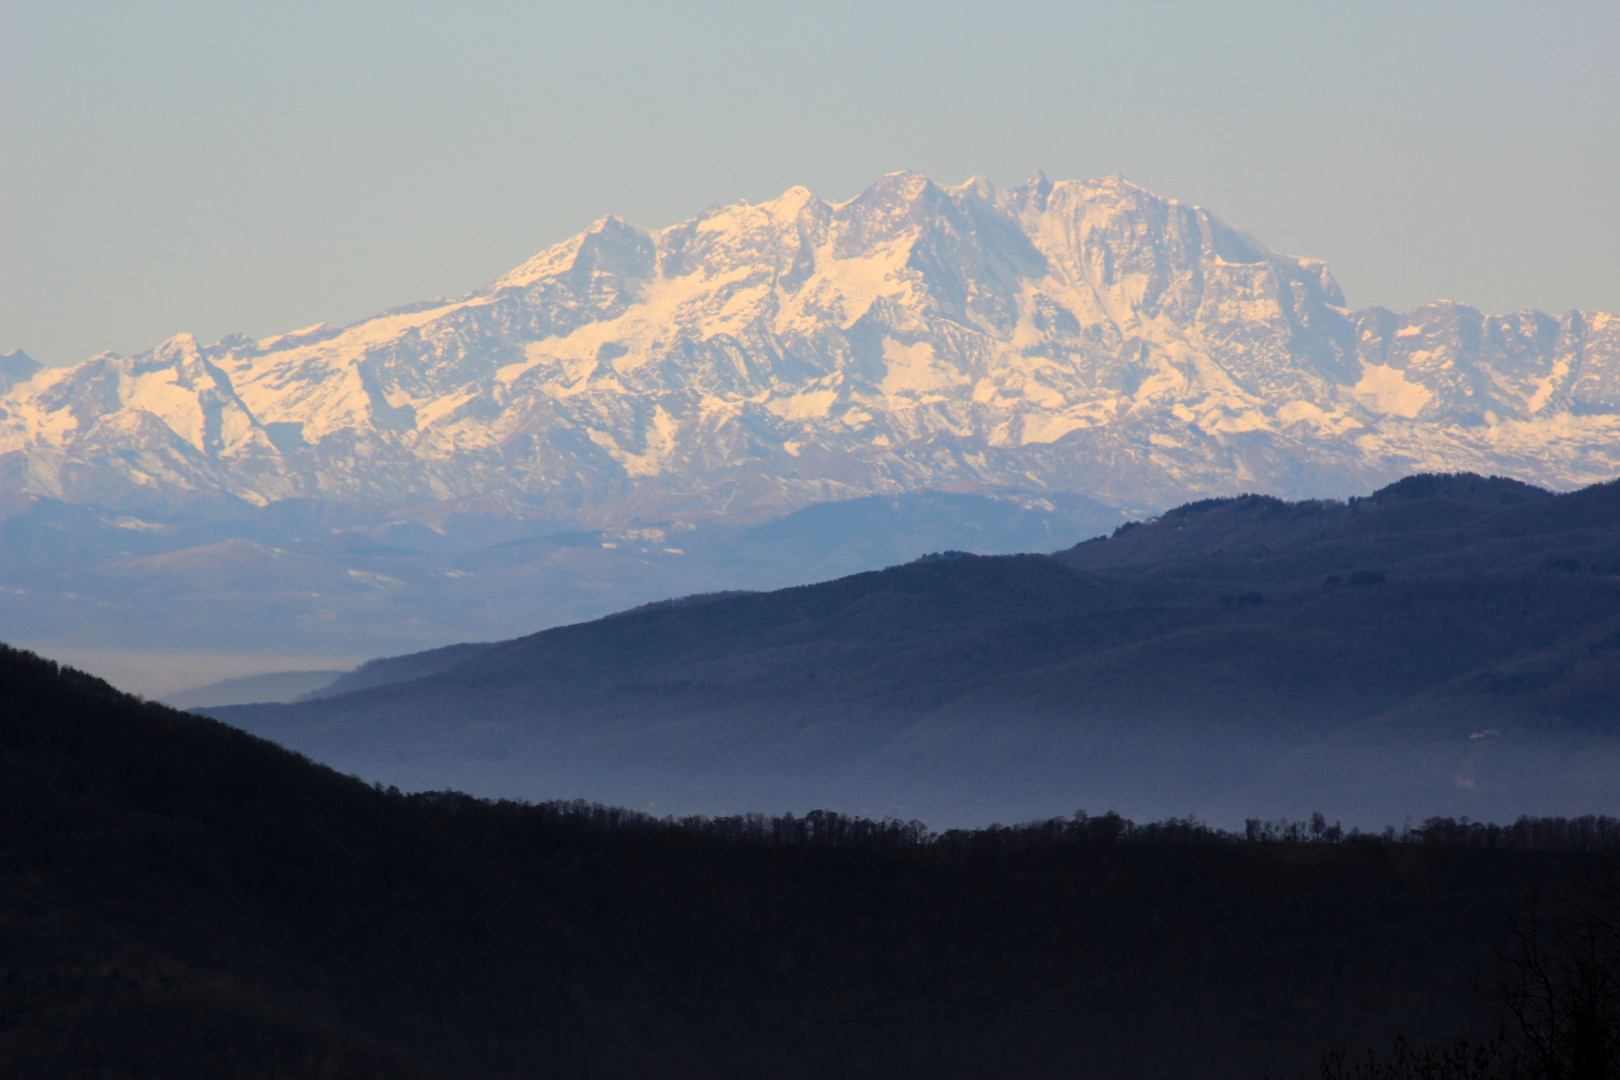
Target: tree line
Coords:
[(830, 828)]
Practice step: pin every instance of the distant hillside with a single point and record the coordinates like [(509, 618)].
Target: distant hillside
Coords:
[(251, 689), (1446, 645), (179, 899), (393, 669), (365, 580), (284, 686)]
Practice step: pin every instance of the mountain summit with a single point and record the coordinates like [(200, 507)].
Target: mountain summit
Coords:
[(1074, 335)]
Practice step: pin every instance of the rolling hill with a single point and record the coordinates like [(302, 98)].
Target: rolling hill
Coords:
[(1446, 645)]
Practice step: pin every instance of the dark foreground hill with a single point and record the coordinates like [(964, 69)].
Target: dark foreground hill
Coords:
[(179, 899), (1448, 645)]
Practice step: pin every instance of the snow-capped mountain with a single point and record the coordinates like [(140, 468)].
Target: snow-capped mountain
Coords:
[(1082, 336)]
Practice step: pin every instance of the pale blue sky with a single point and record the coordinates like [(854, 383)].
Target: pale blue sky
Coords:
[(217, 167)]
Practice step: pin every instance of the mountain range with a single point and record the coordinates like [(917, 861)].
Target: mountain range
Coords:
[(1448, 645), (1088, 337)]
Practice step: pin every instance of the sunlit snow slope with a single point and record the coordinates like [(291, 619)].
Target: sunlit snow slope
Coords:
[(1083, 336)]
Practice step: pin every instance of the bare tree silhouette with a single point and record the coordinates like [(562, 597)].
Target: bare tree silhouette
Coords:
[(1552, 995), (1555, 988)]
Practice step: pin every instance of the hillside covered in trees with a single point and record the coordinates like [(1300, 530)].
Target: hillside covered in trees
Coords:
[(1449, 645), (181, 899)]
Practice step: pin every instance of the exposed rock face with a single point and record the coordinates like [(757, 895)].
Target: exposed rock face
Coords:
[(16, 367), (1083, 336)]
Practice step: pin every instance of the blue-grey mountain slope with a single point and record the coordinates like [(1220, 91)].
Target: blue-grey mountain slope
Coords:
[(1447, 645)]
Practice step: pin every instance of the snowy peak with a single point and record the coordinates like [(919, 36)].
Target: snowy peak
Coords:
[(1080, 335), (171, 393), (611, 247)]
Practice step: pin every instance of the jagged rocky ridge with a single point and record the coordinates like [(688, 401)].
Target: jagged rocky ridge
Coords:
[(1083, 336)]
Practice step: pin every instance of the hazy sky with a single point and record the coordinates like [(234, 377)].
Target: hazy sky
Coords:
[(218, 167)]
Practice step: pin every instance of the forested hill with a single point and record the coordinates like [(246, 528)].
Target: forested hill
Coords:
[(1427, 521), (179, 899), (1448, 645)]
